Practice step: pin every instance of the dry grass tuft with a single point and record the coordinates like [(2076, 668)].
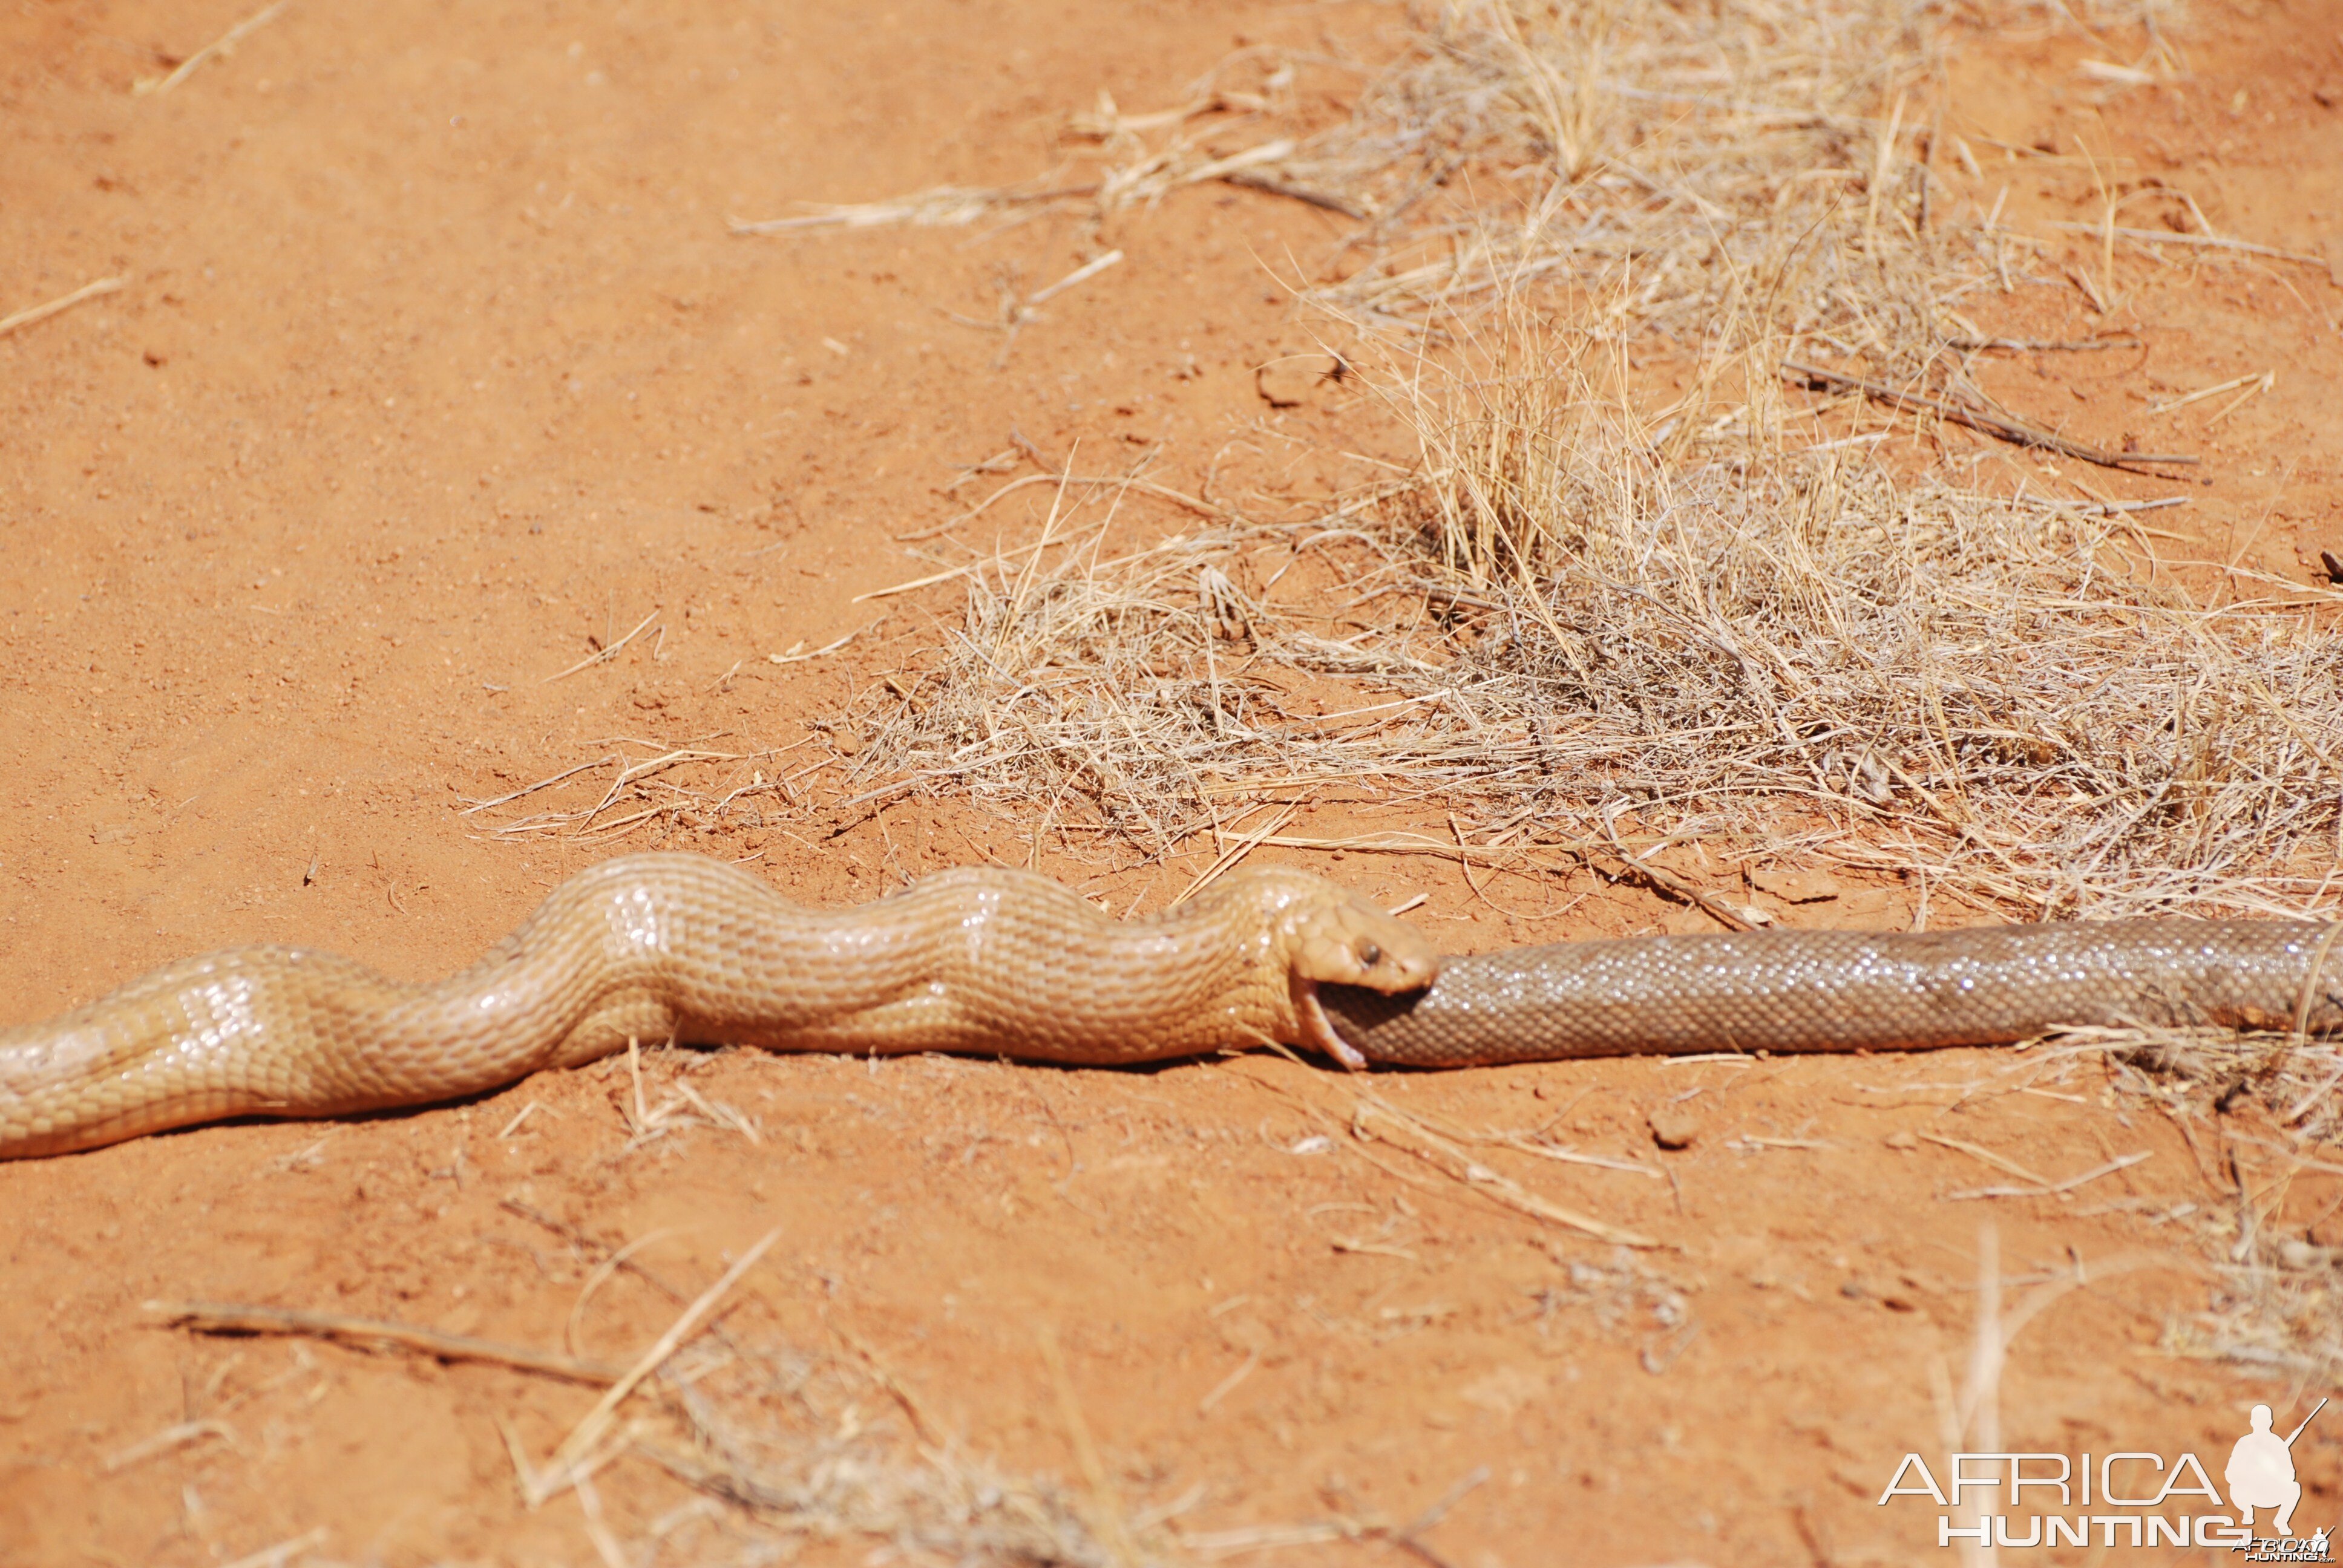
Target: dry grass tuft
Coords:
[(1700, 607), (1134, 693), (1799, 649), (2256, 1112), (797, 1447), (2259, 1113), (618, 795)]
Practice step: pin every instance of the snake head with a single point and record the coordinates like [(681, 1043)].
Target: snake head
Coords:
[(1333, 937), (1339, 938)]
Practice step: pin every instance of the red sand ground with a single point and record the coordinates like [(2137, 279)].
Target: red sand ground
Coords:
[(436, 359)]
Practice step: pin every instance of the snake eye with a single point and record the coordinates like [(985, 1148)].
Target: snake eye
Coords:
[(1369, 955)]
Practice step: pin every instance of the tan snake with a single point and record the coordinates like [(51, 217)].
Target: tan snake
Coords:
[(679, 947)]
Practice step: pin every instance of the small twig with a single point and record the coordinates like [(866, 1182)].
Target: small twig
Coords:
[(1270, 185), (1146, 487), (276, 1556), (1252, 157), (2108, 509), (2260, 385), (584, 1245), (1080, 274), (1667, 881), (1406, 1539), (526, 1113), (596, 1422), (1374, 1119), (1267, 1537), (599, 655), (169, 1438), (235, 1318), (28, 315), (541, 784), (1229, 857), (794, 657), (220, 45), (1573, 1157), (2204, 392), (2043, 344), (945, 206), (929, 1431), (1228, 1385), (1977, 1152), (2051, 1189), (2205, 241), (2009, 430)]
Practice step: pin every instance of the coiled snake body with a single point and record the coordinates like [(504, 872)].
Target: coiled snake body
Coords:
[(679, 947)]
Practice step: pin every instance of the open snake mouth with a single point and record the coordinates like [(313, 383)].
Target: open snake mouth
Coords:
[(1318, 1029)]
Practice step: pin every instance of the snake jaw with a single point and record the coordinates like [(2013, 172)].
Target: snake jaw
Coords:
[(1318, 1030)]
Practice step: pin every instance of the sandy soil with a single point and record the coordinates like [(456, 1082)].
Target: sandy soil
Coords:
[(436, 368)]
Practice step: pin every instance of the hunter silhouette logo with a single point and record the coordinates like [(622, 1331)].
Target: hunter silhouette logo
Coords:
[(2261, 1471)]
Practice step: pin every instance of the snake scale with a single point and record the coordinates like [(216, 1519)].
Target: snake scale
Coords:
[(1000, 962)]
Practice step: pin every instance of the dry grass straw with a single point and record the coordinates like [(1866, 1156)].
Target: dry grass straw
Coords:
[(218, 48), (32, 313), (1443, 1145), (240, 1318), (1376, 1119), (595, 1425), (284, 1551), (643, 795), (1230, 126)]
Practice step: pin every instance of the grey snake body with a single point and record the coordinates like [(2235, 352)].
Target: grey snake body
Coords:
[(1785, 991)]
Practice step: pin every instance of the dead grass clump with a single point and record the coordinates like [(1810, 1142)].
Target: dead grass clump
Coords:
[(786, 1447), (1707, 177), (1907, 675), (1133, 696), (619, 795), (2258, 1112), (793, 1448), (1700, 607), (1802, 651)]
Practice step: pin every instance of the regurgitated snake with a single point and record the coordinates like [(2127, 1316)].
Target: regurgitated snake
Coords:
[(679, 947)]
